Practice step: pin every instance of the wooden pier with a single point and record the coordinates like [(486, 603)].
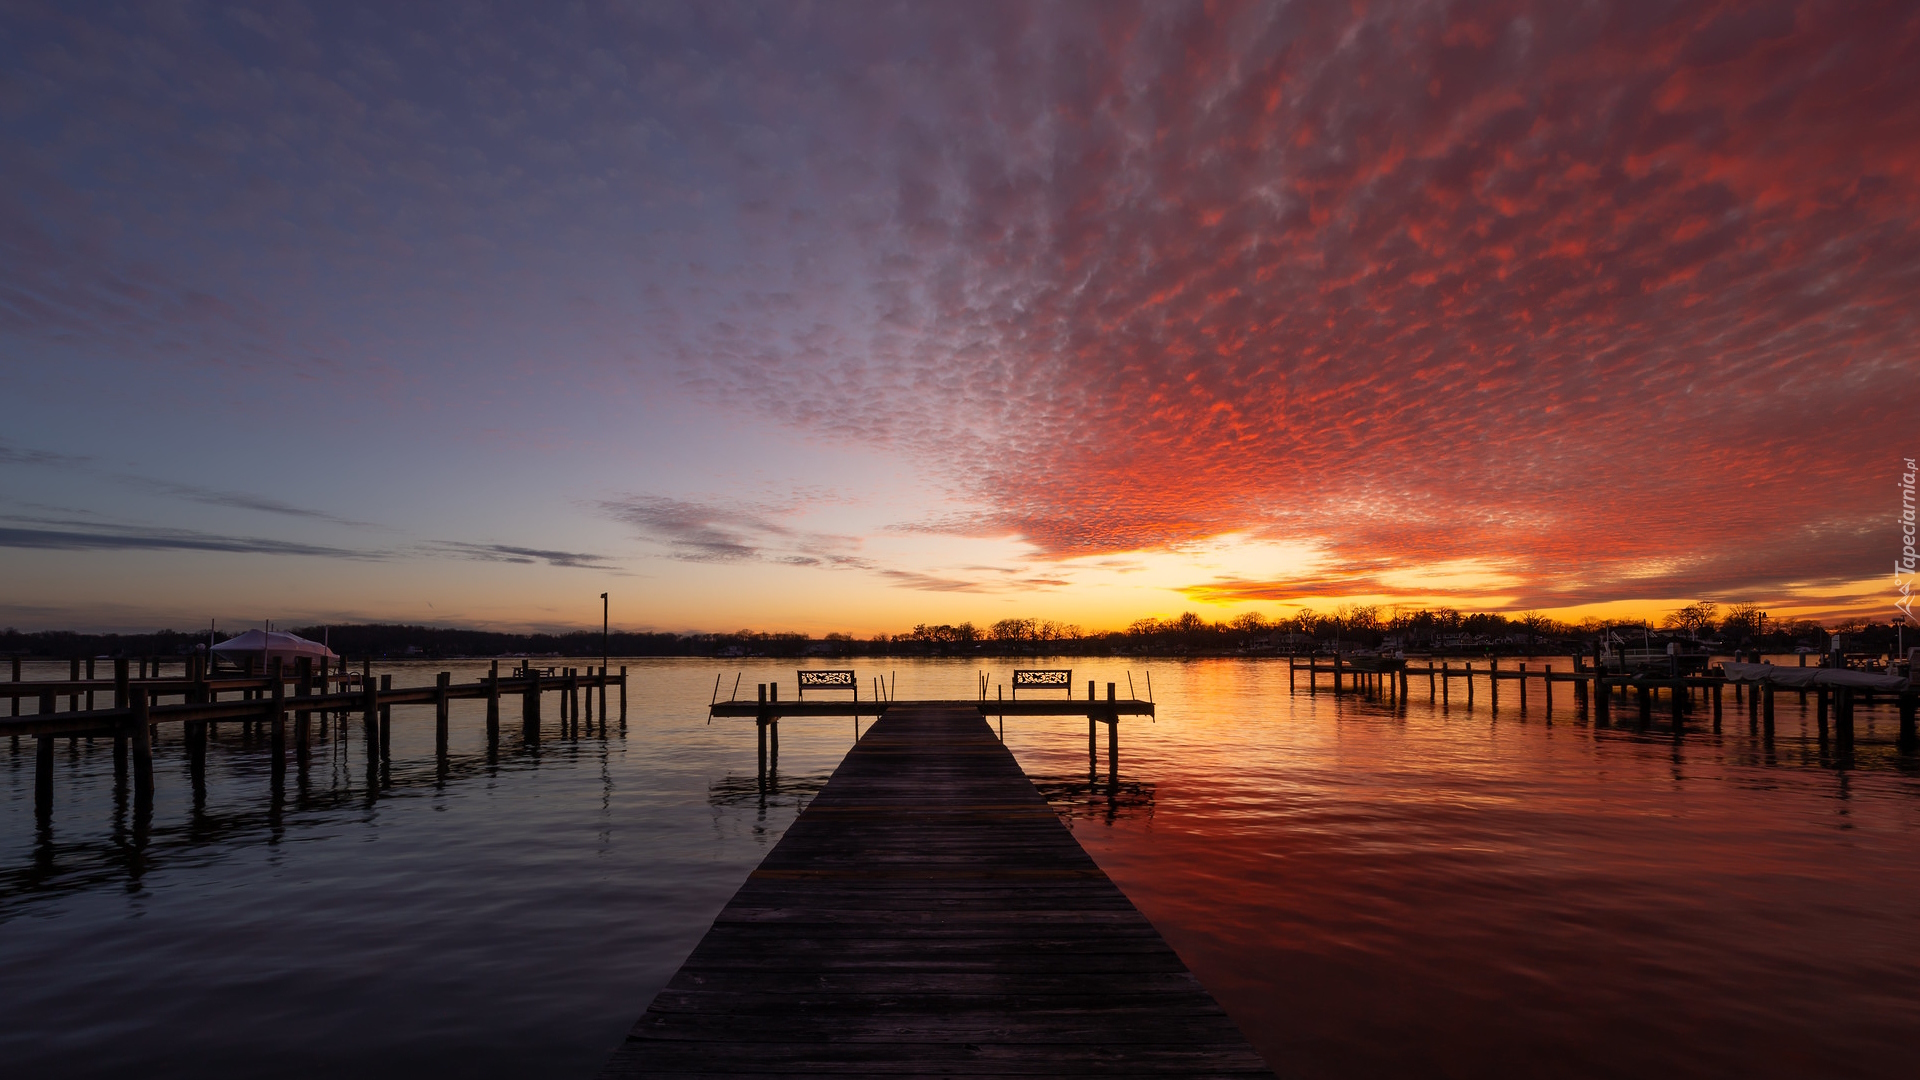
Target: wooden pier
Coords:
[(1597, 692), (138, 711), (929, 914)]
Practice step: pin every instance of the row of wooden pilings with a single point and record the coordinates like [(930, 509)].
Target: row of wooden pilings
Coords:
[(1835, 704), (137, 712)]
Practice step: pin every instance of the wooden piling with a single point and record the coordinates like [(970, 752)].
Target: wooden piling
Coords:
[(493, 704), (530, 706), (440, 684), (1113, 740), (370, 705), (760, 730), (302, 718), (43, 767), (276, 717), (142, 735), (623, 697), (386, 722)]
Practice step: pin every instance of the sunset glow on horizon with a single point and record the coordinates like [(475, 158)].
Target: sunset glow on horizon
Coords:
[(848, 317)]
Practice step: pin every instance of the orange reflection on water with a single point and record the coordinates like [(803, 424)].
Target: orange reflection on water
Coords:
[(1374, 891)]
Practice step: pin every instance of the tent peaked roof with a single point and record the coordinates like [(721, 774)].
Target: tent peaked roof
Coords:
[(270, 644)]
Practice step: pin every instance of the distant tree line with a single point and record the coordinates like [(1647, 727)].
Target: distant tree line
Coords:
[(1738, 626)]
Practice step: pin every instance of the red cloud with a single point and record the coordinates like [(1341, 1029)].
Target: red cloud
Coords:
[(1579, 291)]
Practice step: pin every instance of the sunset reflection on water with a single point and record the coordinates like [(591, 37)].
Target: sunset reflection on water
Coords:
[(1368, 889)]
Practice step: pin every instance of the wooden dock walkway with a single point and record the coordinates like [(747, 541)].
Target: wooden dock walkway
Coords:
[(929, 914)]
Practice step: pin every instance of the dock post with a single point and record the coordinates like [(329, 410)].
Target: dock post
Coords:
[(386, 721), (1766, 707), (142, 745), (1843, 722), (303, 718), (1646, 704), (1313, 677), (1717, 687), (1753, 709), (1523, 686), (1547, 677), (1493, 683), (440, 684), (1113, 740), (1909, 740), (276, 720), (370, 722), (1469, 677), (493, 705), (1446, 681), (623, 697), (760, 729), (1602, 701), (1093, 742), (773, 727), (1290, 666), (530, 706), (1336, 674), (603, 699), (42, 775), (1820, 711), (1677, 690), (573, 700)]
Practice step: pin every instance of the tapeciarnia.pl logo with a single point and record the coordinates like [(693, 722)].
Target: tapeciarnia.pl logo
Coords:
[(1903, 567)]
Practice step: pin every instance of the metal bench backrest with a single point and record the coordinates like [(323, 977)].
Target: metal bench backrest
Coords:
[(1043, 679), (827, 680)]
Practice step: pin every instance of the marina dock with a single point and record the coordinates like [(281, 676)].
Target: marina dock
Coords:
[(135, 710), (929, 914)]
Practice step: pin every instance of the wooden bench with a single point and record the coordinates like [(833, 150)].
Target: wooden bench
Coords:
[(1043, 679), (827, 680)]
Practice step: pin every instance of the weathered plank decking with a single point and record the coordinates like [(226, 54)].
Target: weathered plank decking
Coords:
[(928, 914)]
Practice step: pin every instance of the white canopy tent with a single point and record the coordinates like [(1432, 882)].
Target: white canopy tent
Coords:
[(262, 647)]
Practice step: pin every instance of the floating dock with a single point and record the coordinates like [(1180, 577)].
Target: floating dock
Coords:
[(929, 914)]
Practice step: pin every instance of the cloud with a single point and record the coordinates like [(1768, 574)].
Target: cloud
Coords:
[(11, 454), (505, 553), (707, 532), (1609, 296), (132, 538), (1615, 298), (237, 500)]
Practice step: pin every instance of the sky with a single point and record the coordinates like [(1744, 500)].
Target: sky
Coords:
[(843, 316)]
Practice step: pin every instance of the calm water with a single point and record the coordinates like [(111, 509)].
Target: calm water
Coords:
[(1367, 891)]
